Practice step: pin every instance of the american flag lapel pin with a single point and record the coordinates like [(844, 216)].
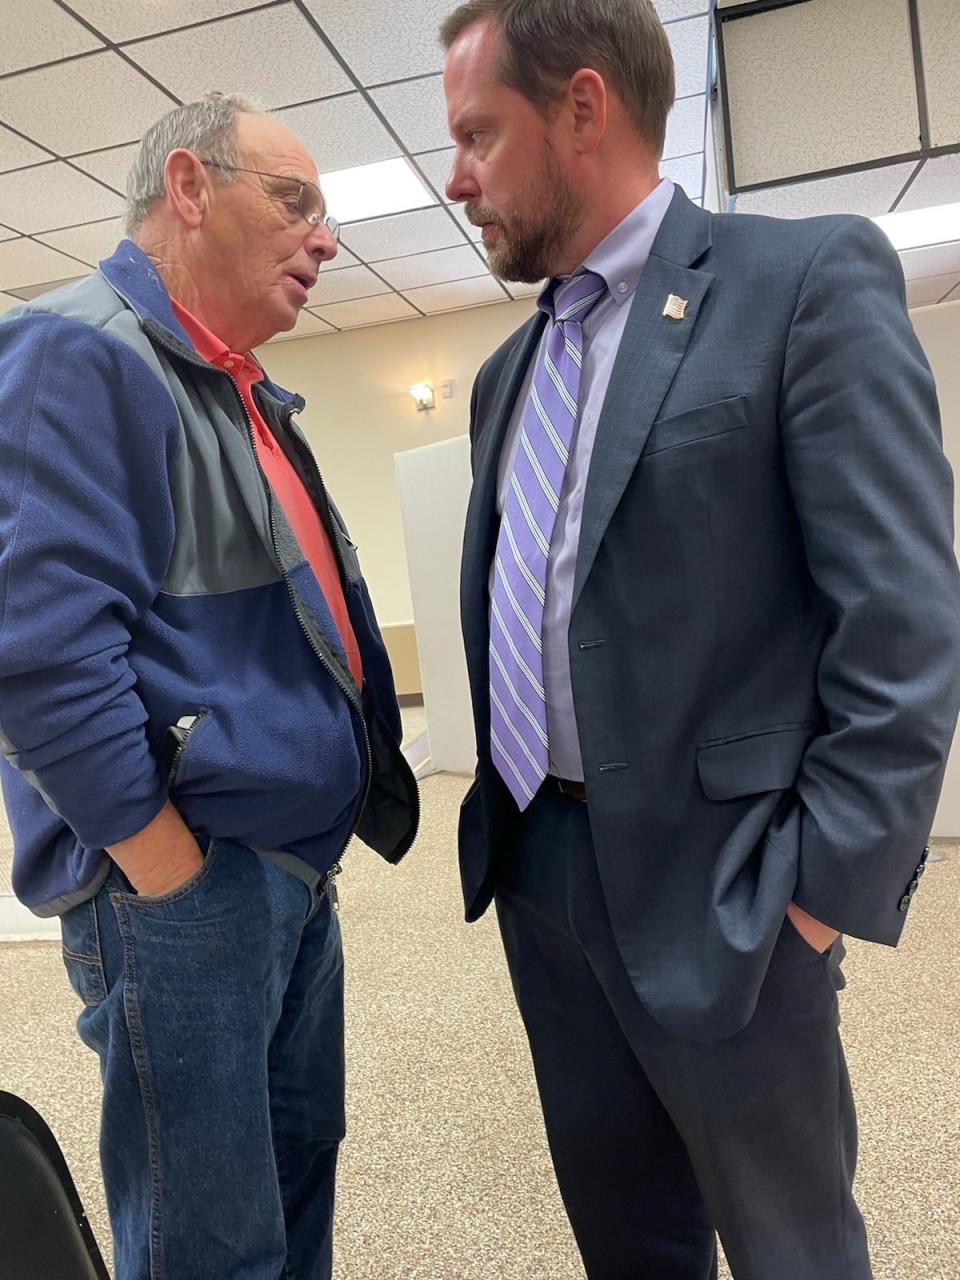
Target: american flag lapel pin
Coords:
[(676, 308)]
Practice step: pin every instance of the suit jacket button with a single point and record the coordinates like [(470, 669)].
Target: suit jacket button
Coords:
[(904, 904)]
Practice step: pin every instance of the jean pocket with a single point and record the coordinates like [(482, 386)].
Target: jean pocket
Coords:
[(183, 891), (82, 957)]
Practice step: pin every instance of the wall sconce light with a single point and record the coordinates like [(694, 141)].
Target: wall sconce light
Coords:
[(423, 396)]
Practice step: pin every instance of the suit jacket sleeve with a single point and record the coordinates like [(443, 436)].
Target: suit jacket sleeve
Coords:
[(874, 495)]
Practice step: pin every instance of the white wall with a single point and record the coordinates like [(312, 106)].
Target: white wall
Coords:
[(938, 328), (359, 415)]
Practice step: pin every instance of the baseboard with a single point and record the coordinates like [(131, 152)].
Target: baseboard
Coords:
[(18, 924)]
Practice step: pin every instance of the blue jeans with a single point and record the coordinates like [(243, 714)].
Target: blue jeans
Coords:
[(217, 1014)]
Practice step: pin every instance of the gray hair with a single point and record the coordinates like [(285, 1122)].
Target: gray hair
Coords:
[(208, 128)]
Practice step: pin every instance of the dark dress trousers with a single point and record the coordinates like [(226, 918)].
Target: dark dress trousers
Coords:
[(764, 659)]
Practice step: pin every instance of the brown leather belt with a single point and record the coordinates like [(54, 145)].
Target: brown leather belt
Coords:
[(568, 787)]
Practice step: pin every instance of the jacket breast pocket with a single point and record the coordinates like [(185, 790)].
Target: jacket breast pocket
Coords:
[(702, 423), (768, 760)]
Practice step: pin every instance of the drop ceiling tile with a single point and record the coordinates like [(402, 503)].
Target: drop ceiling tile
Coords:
[(451, 297), (938, 182), (15, 152), (344, 286), (53, 195), (686, 126), (110, 166), (270, 55), (671, 10), (343, 259), (938, 260), (353, 315), (92, 242), (402, 41), (437, 165), (469, 230), (418, 112), (818, 86), (40, 31), (109, 101), (930, 289), (690, 42), (340, 133), (395, 237), (686, 172), (7, 234), (432, 268), (308, 326), (940, 34), (869, 193), (525, 290), (7, 301), (37, 290), (24, 262), (126, 19)]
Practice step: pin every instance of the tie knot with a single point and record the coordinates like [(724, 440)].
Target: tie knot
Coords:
[(575, 298)]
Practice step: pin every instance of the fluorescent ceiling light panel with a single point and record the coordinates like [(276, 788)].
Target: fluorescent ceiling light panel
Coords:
[(916, 228), (372, 190)]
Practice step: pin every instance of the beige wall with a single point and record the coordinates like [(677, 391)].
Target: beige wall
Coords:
[(359, 415)]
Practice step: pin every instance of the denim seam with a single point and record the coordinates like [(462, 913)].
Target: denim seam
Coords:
[(142, 1067)]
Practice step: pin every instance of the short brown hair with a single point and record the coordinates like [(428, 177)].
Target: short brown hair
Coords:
[(546, 41)]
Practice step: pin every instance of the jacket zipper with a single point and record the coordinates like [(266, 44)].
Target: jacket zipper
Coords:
[(348, 692), (310, 460), (182, 732)]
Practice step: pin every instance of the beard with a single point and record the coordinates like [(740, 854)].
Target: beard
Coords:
[(531, 245)]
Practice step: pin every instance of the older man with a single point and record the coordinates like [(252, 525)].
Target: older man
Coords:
[(710, 605), (196, 706)]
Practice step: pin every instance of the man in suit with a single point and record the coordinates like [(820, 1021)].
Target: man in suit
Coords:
[(710, 612)]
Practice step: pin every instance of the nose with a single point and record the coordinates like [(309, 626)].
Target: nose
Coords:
[(461, 185), (321, 244)]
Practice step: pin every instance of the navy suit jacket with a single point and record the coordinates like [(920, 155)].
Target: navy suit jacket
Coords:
[(766, 612)]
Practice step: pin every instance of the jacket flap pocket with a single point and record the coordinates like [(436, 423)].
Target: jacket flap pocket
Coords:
[(765, 761), (697, 424)]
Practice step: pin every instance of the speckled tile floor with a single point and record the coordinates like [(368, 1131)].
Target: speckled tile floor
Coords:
[(445, 1173)]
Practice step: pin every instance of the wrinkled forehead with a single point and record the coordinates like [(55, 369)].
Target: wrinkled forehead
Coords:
[(268, 145)]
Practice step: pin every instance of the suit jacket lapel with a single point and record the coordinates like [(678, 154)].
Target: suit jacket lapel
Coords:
[(490, 429), (650, 353)]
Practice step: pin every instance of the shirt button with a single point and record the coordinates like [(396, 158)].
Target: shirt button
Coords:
[(622, 287)]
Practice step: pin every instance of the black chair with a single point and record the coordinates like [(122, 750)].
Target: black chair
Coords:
[(44, 1232)]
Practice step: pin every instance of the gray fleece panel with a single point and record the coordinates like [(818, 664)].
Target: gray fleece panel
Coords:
[(221, 515)]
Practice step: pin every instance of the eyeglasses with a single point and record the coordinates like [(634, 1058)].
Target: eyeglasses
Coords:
[(310, 203)]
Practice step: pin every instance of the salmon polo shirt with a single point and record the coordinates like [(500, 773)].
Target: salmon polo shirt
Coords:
[(296, 502)]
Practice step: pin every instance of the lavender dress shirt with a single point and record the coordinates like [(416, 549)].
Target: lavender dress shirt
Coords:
[(620, 258)]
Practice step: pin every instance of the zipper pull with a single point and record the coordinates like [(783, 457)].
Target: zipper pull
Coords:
[(330, 885)]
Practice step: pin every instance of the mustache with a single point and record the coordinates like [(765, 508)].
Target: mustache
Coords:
[(477, 215)]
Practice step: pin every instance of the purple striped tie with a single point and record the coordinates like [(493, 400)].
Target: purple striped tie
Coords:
[(518, 709)]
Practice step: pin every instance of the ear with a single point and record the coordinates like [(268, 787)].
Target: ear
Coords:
[(187, 185), (587, 103)]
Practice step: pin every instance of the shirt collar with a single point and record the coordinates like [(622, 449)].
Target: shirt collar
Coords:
[(622, 254), (213, 349)]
